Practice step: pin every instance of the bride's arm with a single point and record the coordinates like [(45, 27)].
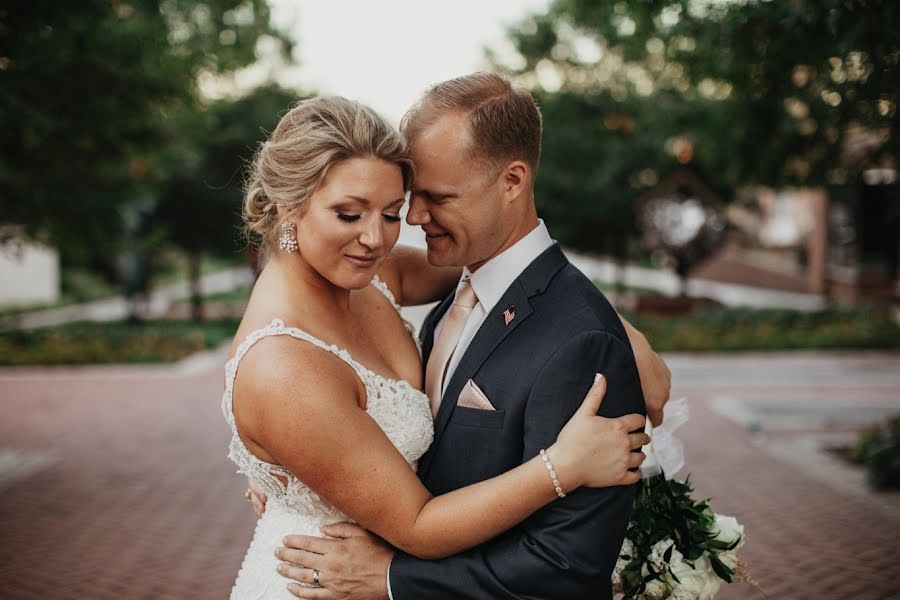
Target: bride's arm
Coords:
[(413, 280), (309, 421)]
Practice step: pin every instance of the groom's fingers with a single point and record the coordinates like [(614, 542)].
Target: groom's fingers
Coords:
[(314, 593), (591, 403), (344, 530), (301, 558), (309, 543), (301, 574)]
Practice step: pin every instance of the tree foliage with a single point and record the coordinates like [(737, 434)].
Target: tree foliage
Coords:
[(93, 94), (199, 207), (777, 93)]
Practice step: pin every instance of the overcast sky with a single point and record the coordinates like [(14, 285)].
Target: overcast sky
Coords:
[(384, 53)]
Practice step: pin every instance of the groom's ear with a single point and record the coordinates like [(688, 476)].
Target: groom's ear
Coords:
[(516, 177)]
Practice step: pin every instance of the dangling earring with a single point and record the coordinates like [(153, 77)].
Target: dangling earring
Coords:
[(287, 241)]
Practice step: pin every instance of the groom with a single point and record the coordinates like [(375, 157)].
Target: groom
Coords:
[(509, 356)]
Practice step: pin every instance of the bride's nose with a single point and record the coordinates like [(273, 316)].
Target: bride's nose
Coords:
[(372, 236)]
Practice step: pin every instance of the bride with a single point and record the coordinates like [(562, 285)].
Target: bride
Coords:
[(323, 386)]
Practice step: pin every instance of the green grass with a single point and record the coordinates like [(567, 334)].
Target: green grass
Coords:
[(116, 342), (744, 329)]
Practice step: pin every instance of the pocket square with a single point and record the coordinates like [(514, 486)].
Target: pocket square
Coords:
[(472, 397)]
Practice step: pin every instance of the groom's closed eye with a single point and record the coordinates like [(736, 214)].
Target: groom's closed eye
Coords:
[(433, 197)]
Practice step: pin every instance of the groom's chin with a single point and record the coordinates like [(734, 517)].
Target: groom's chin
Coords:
[(440, 252)]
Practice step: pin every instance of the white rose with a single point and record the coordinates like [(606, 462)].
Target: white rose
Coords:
[(700, 580), (655, 589), (658, 551), (681, 593), (728, 530), (627, 548), (617, 572), (730, 558)]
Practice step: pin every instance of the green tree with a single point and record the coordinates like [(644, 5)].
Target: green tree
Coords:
[(199, 207), (91, 93), (778, 93)]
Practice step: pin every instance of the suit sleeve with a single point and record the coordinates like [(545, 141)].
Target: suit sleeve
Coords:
[(568, 549)]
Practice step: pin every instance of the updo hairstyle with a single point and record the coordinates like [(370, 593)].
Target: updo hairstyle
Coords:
[(314, 135)]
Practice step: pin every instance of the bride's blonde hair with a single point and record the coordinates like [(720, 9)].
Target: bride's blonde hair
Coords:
[(315, 134)]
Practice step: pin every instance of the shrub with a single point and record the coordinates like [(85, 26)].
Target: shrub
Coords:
[(741, 329), (117, 342)]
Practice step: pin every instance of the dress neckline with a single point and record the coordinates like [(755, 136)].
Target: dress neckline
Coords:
[(277, 325)]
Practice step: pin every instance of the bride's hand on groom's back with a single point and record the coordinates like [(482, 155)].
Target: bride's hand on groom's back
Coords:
[(597, 451), (257, 499)]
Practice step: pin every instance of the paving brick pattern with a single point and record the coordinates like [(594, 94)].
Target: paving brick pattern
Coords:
[(142, 503)]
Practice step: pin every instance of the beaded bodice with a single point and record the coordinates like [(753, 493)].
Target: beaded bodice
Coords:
[(399, 409)]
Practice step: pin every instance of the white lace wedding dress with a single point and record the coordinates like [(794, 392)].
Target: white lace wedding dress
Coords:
[(402, 412)]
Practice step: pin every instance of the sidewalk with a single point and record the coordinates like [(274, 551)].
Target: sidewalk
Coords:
[(126, 492), (116, 308)]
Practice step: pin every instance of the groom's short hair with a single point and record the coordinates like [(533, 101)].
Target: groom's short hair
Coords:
[(504, 120)]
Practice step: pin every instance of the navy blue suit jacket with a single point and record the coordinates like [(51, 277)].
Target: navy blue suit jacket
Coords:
[(535, 371)]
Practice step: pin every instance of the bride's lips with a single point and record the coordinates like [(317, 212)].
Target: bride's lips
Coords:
[(363, 262)]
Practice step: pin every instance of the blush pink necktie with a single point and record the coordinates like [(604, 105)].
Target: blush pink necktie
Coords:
[(446, 342)]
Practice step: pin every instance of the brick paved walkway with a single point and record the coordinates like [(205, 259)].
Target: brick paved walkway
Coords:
[(138, 500)]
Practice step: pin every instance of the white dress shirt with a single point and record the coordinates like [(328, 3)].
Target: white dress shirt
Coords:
[(490, 282)]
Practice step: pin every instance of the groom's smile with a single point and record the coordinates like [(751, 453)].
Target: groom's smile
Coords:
[(457, 199)]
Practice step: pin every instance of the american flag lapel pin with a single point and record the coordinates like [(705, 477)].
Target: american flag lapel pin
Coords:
[(508, 315)]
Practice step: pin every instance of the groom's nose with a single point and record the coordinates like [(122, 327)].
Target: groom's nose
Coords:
[(418, 211)]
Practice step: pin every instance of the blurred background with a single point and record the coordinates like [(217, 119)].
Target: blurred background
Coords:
[(725, 171)]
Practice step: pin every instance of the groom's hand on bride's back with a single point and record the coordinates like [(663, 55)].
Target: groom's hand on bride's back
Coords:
[(352, 564)]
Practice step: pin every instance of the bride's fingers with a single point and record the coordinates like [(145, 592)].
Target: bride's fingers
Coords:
[(631, 477), (258, 507), (638, 440), (301, 558), (591, 403), (636, 459), (632, 422)]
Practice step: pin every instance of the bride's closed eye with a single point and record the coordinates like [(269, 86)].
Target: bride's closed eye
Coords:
[(353, 218)]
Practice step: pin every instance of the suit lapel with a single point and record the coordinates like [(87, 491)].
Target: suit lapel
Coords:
[(533, 280), (493, 331)]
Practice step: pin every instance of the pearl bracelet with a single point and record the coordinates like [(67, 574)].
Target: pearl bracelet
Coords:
[(552, 474)]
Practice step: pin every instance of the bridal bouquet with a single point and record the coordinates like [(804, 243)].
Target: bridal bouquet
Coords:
[(675, 547)]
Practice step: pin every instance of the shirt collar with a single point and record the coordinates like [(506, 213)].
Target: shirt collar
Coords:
[(495, 276)]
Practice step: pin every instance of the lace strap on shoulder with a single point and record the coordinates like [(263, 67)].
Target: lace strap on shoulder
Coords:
[(384, 289), (276, 327)]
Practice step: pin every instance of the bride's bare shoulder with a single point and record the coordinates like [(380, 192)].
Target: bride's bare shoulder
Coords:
[(281, 374)]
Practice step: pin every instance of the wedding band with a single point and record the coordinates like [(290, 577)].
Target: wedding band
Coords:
[(316, 578), (249, 495)]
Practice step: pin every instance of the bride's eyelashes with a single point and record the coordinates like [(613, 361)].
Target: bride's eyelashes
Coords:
[(353, 218)]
